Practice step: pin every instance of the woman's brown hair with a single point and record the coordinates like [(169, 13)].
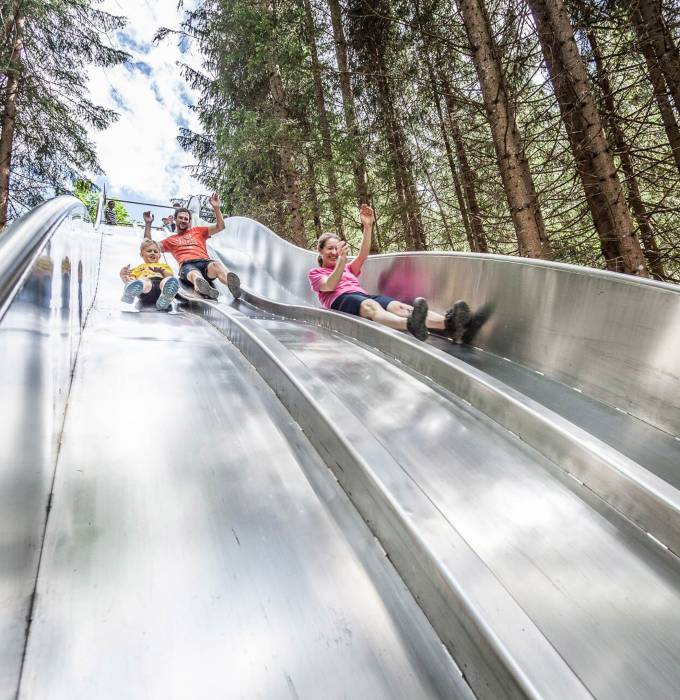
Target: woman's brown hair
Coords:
[(321, 243)]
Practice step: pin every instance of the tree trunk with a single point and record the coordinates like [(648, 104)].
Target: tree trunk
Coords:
[(658, 82), (436, 98), (449, 157), (291, 187), (401, 162), (651, 249), (435, 194), (604, 194), (313, 194), (652, 30), (351, 122), (512, 162), (9, 114), (469, 177), (326, 142)]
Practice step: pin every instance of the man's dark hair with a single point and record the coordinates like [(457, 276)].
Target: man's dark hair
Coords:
[(111, 202), (177, 211)]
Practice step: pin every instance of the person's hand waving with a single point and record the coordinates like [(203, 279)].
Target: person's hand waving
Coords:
[(367, 216), (343, 252)]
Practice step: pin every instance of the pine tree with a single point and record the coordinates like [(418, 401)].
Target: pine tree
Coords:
[(512, 160), (603, 191), (47, 46)]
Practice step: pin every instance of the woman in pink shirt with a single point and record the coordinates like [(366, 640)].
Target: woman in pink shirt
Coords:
[(338, 288)]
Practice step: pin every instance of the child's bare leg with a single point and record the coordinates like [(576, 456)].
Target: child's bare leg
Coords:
[(371, 310), (147, 285), (432, 320)]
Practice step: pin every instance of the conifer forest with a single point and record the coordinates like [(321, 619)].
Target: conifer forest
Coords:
[(542, 128)]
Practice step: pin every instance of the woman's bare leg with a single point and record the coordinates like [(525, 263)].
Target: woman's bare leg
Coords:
[(371, 310), (432, 320)]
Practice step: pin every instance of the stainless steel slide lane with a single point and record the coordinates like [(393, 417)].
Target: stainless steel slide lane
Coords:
[(197, 546), (205, 523), (48, 275), (605, 596)]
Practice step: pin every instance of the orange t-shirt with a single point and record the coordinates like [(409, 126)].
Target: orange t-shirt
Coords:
[(187, 246)]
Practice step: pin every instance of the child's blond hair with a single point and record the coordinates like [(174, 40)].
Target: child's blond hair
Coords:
[(147, 243)]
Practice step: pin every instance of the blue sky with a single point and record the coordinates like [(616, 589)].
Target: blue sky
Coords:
[(139, 154)]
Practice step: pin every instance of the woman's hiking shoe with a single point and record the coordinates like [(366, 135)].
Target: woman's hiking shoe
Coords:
[(234, 284), (478, 319), (203, 287), (132, 290), (457, 319), (170, 288), (415, 323)]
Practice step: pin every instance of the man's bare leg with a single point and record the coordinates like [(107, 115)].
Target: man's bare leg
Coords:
[(217, 269)]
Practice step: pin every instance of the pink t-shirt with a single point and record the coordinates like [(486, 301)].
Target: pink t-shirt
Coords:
[(348, 283)]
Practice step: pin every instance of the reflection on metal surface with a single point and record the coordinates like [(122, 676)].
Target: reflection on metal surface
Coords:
[(615, 337), (629, 487), (498, 647), (39, 336), (461, 506), (198, 547)]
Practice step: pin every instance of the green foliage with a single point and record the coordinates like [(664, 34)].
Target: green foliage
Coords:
[(122, 215), (237, 150), (89, 195), (51, 145)]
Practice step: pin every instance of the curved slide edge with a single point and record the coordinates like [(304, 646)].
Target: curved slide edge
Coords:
[(22, 242), (612, 336), (648, 501), (49, 264), (499, 649)]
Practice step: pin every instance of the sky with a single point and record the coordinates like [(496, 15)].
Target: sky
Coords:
[(139, 154)]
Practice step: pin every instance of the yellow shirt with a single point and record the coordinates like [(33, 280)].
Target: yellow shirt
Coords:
[(158, 269)]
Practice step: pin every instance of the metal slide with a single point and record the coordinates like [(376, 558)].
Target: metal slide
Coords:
[(196, 545), (226, 482)]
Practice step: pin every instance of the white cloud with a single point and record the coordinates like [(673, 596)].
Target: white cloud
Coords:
[(139, 153)]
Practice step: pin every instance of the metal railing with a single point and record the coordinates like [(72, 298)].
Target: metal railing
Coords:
[(23, 240)]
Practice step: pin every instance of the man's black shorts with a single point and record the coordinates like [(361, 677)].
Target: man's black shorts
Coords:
[(149, 299), (201, 265)]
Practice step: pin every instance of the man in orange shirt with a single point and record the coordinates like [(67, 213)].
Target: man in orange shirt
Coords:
[(188, 247)]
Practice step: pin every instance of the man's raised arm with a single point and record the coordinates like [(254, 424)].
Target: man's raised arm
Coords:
[(148, 220), (219, 221)]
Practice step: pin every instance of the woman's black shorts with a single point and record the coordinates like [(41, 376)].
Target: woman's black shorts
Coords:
[(351, 301)]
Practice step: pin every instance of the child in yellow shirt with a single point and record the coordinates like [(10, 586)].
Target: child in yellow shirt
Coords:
[(152, 281)]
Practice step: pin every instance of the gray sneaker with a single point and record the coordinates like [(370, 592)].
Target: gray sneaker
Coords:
[(234, 284), (203, 287), (415, 323), (457, 319)]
